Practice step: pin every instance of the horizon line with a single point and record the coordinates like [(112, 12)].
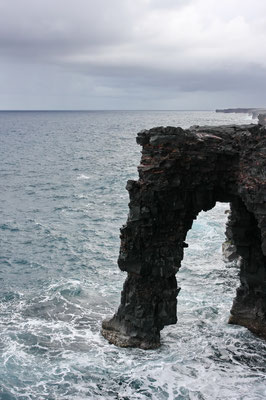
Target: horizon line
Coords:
[(86, 110)]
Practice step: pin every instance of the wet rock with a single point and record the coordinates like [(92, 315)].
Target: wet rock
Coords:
[(229, 252)]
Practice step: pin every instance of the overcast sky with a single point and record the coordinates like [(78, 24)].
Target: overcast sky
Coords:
[(132, 54)]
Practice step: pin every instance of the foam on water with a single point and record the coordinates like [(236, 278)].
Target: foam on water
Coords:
[(63, 200)]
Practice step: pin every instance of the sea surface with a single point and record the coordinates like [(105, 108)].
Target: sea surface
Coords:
[(62, 202)]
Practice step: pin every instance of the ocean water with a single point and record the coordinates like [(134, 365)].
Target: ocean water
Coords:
[(62, 202)]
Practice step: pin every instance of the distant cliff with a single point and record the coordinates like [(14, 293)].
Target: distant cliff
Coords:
[(254, 112)]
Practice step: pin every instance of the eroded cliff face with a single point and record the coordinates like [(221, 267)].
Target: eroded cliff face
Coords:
[(183, 172)]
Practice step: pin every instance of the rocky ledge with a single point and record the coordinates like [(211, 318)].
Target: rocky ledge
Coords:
[(181, 173)]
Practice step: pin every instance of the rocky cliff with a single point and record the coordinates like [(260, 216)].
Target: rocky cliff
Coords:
[(181, 173)]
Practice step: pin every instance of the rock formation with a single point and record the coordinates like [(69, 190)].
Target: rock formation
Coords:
[(183, 172)]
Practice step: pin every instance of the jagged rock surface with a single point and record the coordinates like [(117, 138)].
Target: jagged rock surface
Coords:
[(183, 172)]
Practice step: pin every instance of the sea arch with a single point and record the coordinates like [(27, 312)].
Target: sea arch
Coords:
[(183, 172)]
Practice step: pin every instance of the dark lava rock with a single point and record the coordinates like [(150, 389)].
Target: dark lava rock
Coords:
[(181, 173)]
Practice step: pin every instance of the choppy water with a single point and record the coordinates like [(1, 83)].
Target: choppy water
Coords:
[(62, 202)]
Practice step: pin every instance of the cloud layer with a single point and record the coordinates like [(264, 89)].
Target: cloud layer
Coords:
[(125, 52)]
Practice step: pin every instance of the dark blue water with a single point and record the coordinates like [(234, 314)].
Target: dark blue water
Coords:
[(62, 202)]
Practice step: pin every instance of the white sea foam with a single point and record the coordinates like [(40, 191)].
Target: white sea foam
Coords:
[(83, 177)]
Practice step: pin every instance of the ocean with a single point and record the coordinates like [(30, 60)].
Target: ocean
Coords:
[(62, 202)]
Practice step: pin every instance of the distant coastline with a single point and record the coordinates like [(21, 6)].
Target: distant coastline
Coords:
[(259, 113), (251, 111)]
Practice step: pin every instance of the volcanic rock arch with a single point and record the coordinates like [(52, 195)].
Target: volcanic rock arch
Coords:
[(183, 172)]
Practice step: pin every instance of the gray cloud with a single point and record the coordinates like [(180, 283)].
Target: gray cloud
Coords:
[(168, 4), (66, 26), (104, 49)]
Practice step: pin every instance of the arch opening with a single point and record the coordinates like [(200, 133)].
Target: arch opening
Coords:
[(208, 279)]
